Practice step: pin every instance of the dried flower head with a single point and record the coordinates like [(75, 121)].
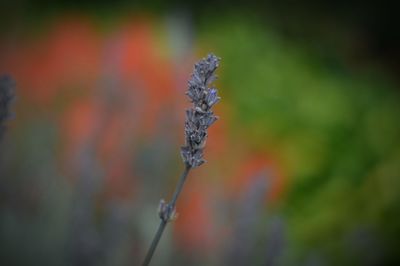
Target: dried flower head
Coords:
[(200, 116), (6, 96), (198, 119)]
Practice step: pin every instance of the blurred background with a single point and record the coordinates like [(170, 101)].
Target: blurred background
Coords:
[(303, 165)]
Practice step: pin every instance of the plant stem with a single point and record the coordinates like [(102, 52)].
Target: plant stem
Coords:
[(179, 186), (163, 223), (154, 244)]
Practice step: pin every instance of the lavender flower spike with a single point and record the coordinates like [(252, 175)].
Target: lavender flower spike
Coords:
[(200, 116), (6, 97), (198, 119)]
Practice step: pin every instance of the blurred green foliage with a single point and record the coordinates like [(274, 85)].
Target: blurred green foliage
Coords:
[(336, 130)]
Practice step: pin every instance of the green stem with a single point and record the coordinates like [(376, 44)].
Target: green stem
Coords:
[(163, 223)]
